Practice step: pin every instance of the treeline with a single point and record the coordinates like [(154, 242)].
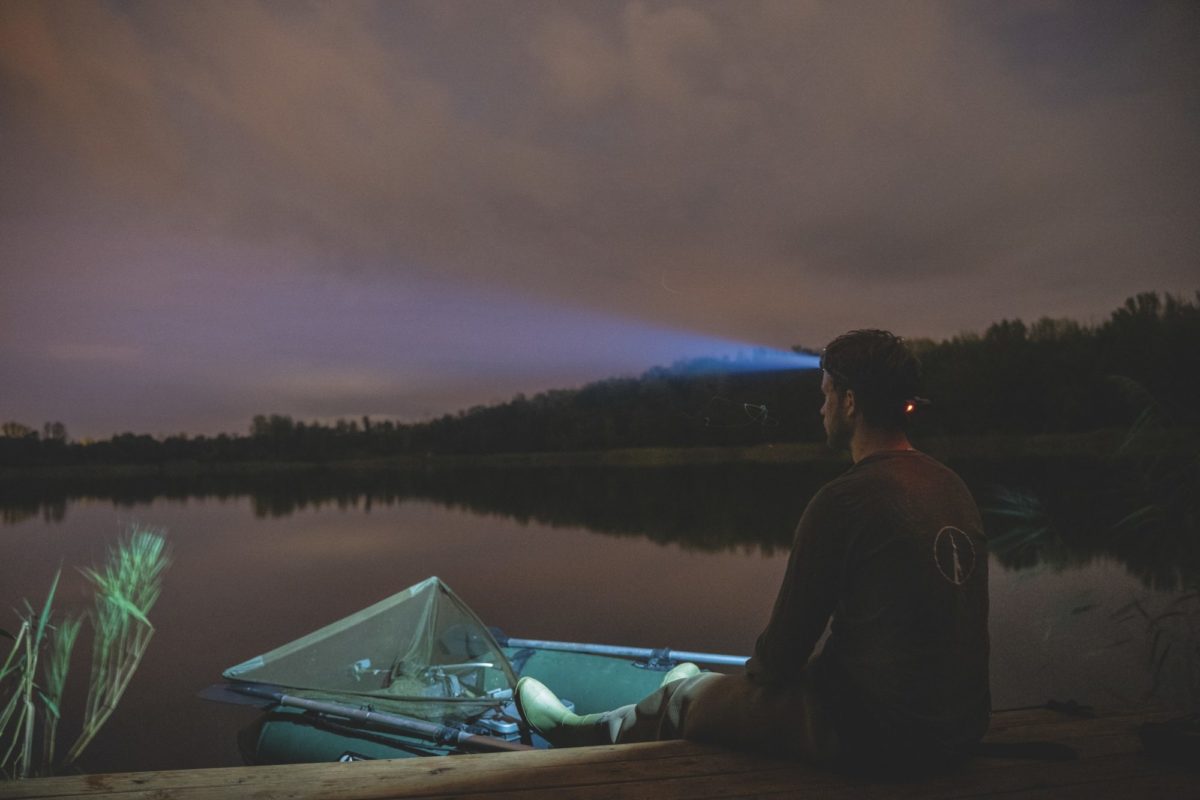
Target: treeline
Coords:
[(1057, 375), (1054, 375)]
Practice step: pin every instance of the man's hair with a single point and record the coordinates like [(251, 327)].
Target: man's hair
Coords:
[(879, 367)]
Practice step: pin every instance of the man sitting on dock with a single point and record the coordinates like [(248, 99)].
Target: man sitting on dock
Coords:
[(893, 551)]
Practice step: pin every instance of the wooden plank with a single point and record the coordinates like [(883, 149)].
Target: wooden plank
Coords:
[(1006, 723), (1098, 739), (116, 782), (1060, 730), (1111, 761), (551, 767), (1002, 720), (97, 784), (1011, 725), (1168, 786), (1124, 777)]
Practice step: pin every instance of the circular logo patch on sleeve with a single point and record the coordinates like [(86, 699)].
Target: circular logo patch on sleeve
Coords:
[(954, 555)]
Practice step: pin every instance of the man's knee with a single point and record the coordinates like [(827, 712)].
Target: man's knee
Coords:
[(659, 715), (734, 711)]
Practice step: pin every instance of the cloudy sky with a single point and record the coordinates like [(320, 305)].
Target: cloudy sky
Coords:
[(215, 209)]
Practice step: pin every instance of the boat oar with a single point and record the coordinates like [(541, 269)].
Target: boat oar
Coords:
[(663, 655), (430, 731)]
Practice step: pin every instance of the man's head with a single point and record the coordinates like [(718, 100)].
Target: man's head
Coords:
[(870, 377)]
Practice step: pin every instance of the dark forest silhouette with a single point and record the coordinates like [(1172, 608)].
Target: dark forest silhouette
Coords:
[(1052, 376)]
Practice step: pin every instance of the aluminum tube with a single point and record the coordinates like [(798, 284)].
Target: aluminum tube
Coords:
[(414, 727), (709, 658), (628, 652)]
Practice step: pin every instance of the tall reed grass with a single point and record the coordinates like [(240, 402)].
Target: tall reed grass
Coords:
[(33, 676)]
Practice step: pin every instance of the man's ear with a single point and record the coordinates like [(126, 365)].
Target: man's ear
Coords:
[(848, 403)]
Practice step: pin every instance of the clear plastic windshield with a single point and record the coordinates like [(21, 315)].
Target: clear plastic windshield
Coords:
[(418, 651)]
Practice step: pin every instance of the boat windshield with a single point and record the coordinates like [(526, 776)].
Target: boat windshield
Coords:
[(423, 646)]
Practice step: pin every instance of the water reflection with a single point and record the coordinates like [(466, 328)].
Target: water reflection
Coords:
[(1060, 513), (685, 556), (1066, 513), (706, 508), (1066, 520)]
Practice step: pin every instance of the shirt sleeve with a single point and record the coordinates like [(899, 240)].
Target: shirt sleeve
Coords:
[(807, 597)]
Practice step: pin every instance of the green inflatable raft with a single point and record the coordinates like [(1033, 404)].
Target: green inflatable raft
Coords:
[(419, 674)]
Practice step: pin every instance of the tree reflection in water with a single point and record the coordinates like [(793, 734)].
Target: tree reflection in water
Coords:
[(1054, 512)]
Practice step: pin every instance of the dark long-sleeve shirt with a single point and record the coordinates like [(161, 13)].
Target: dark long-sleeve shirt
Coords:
[(894, 551)]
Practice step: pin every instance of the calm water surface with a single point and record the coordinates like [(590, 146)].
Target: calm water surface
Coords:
[(675, 567)]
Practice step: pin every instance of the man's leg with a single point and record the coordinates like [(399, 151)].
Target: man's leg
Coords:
[(728, 710)]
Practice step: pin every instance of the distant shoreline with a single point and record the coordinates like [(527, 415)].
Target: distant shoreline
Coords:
[(1095, 444)]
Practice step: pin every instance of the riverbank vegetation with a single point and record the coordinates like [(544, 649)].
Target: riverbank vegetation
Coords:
[(1054, 376), (34, 673)]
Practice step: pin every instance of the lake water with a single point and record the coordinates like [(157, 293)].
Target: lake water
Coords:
[(682, 557)]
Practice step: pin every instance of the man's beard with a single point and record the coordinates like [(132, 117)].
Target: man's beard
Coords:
[(837, 435)]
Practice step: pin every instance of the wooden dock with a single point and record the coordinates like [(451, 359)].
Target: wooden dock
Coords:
[(1111, 764)]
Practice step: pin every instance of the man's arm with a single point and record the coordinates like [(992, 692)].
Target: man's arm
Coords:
[(806, 598)]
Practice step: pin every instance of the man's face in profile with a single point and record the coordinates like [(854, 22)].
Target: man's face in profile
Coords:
[(837, 432)]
